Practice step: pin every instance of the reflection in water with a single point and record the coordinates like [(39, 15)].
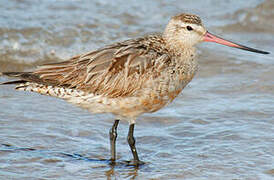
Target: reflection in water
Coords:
[(131, 173), (10, 148), (128, 170)]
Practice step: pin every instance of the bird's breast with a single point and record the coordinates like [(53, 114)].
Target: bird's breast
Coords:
[(166, 87)]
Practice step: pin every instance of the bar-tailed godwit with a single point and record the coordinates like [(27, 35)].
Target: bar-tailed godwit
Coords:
[(128, 78)]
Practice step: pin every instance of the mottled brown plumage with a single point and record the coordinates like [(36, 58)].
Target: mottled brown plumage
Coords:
[(128, 78), (114, 71)]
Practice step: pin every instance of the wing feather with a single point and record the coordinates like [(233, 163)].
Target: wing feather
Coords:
[(113, 71)]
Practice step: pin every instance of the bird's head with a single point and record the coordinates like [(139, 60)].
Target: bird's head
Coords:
[(186, 30)]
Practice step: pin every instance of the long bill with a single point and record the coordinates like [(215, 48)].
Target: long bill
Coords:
[(208, 37)]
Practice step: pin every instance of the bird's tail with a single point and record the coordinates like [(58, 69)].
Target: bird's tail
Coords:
[(22, 76), (28, 81)]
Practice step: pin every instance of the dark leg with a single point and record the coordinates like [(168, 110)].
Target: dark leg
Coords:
[(112, 138), (131, 142)]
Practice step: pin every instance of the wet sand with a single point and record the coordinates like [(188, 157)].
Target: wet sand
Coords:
[(220, 127)]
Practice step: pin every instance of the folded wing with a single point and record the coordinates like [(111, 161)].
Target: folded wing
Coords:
[(117, 70)]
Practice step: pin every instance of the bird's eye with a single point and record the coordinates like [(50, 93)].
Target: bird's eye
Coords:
[(189, 28)]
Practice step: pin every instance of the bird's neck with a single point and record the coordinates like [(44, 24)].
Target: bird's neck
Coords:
[(176, 47)]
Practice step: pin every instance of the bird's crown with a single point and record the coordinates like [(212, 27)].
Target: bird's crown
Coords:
[(188, 18)]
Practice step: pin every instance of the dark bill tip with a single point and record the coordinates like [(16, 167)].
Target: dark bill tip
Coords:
[(212, 38), (251, 49)]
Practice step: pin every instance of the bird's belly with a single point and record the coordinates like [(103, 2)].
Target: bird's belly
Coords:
[(128, 107), (154, 95), (156, 102)]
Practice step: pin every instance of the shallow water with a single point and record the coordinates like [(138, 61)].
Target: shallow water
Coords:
[(220, 127)]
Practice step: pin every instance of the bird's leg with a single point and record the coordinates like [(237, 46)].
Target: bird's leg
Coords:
[(131, 142), (112, 138)]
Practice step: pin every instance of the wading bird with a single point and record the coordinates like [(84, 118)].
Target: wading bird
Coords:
[(127, 78)]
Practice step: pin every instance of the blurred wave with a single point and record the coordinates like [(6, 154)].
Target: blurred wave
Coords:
[(256, 20)]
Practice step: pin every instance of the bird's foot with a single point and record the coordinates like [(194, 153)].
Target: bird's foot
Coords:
[(136, 163), (112, 162)]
